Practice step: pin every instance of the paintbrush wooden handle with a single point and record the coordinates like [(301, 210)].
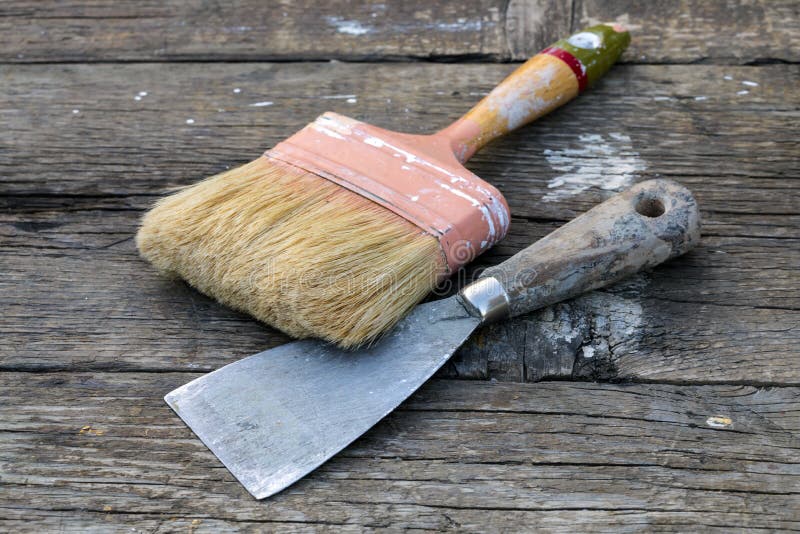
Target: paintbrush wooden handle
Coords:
[(548, 80), (650, 223)]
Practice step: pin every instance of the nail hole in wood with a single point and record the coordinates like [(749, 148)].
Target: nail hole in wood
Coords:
[(650, 207)]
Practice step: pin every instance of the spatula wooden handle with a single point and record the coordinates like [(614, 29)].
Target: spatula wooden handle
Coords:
[(648, 224), (548, 80)]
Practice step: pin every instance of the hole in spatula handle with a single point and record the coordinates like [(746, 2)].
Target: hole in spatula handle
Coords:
[(650, 206)]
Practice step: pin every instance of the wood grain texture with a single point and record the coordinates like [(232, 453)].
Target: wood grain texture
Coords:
[(75, 184), (101, 451), (671, 31), (91, 339), (250, 30), (688, 123)]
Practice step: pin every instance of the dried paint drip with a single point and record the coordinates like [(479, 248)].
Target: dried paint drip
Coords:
[(602, 162), (719, 421)]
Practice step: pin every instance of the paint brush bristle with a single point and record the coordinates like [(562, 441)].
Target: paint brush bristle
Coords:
[(294, 250)]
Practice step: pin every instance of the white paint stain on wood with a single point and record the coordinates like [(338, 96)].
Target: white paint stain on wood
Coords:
[(623, 20), (261, 104), (356, 27), (606, 162), (348, 27), (459, 26)]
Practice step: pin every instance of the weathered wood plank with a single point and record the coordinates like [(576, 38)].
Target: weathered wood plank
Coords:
[(684, 122), (247, 29), (102, 450), (84, 151), (77, 295), (490, 30)]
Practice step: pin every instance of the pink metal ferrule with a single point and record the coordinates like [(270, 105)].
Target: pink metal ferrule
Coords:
[(417, 177)]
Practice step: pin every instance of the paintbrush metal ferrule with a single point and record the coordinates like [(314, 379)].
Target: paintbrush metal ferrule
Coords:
[(486, 298), (416, 177)]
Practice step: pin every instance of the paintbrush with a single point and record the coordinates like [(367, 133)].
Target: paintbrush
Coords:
[(338, 231)]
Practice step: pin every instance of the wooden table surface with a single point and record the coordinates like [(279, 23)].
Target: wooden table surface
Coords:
[(668, 402)]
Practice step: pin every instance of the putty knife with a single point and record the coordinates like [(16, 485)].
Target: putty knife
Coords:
[(276, 416)]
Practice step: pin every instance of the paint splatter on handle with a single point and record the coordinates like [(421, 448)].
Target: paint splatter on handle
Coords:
[(546, 81)]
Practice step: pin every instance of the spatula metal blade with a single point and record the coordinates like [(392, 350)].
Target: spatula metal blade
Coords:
[(274, 417)]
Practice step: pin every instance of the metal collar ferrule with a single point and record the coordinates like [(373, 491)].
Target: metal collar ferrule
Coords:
[(487, 299)]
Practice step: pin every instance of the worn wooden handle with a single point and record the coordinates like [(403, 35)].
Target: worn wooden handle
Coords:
[(642, 227), (548, 80)]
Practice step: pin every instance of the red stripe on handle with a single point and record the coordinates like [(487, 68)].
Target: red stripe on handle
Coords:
[(573, 62)]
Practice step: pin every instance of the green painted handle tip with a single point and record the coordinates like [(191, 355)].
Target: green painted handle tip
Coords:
[(597, 48)]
